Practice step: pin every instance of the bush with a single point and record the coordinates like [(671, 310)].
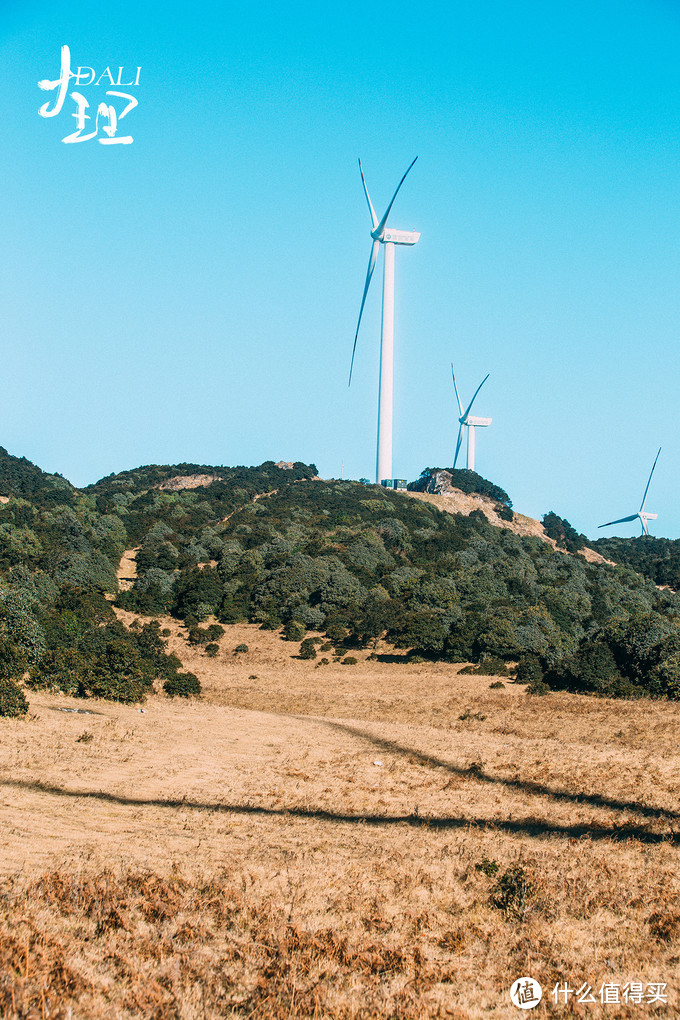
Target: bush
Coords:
[(490, 665), (212, 650), (13, 661), (350, 660), (61, 669), (307, 649), (487, 867), (511, 892), (321, 662), (538, 687), (529, 670), (13, 704), (184, 685), (562, 533), (240, 648), (294, 631), (336, 630), (199, 635)]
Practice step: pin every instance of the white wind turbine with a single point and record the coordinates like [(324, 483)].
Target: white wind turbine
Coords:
[(642, 514), (388, 237), (470, 422)]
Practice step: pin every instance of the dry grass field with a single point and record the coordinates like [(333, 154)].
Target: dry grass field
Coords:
[(344, 841)]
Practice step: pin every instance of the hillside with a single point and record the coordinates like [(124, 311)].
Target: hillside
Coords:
[(457, 502), (454, 576), (656, 558)]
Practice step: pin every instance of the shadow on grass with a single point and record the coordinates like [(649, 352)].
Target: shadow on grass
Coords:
[(527, 826), (477, 772)]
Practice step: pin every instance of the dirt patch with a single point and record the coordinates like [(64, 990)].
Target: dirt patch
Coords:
[(127, 569), (179, 482)]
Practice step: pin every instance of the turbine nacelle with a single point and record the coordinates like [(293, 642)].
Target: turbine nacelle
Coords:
[(396, 236), (475, 420)]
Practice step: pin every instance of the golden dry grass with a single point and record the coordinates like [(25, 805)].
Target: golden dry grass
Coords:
[(304, 842)]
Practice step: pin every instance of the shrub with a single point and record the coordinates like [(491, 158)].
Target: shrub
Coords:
[(271, 622), (490, 665), (561, 531), (307, 649), (198, 635), (212, 650), (13, 704), (321, 662), (184, 685), (487, 866), (240, 648), (529, 669), (61, 669), (350, 660), (214, 632), (496, 685), (511, 892), (336, 630), (294, 631), (13, 661), (538, 687)]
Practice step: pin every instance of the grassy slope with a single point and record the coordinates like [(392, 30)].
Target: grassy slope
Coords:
[(245, 856)]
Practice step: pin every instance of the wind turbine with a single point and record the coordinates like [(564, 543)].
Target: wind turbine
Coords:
[(382, 234), (642, 514), (470, 422)]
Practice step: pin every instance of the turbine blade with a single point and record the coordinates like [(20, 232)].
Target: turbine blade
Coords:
[(460, 406), (642, 504), (469, 408), (381, 226), (458, 445), (621, 520), (374, 218), (369, 274)]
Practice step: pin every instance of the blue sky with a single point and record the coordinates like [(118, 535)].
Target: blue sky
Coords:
[(194, 295)]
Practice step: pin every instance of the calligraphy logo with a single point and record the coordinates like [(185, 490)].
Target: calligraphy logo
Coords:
[(109, 114), (526, 993)]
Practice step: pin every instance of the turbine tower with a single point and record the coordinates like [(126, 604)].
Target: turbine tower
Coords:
[(470, 422), (642, 514), (382, 234)]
